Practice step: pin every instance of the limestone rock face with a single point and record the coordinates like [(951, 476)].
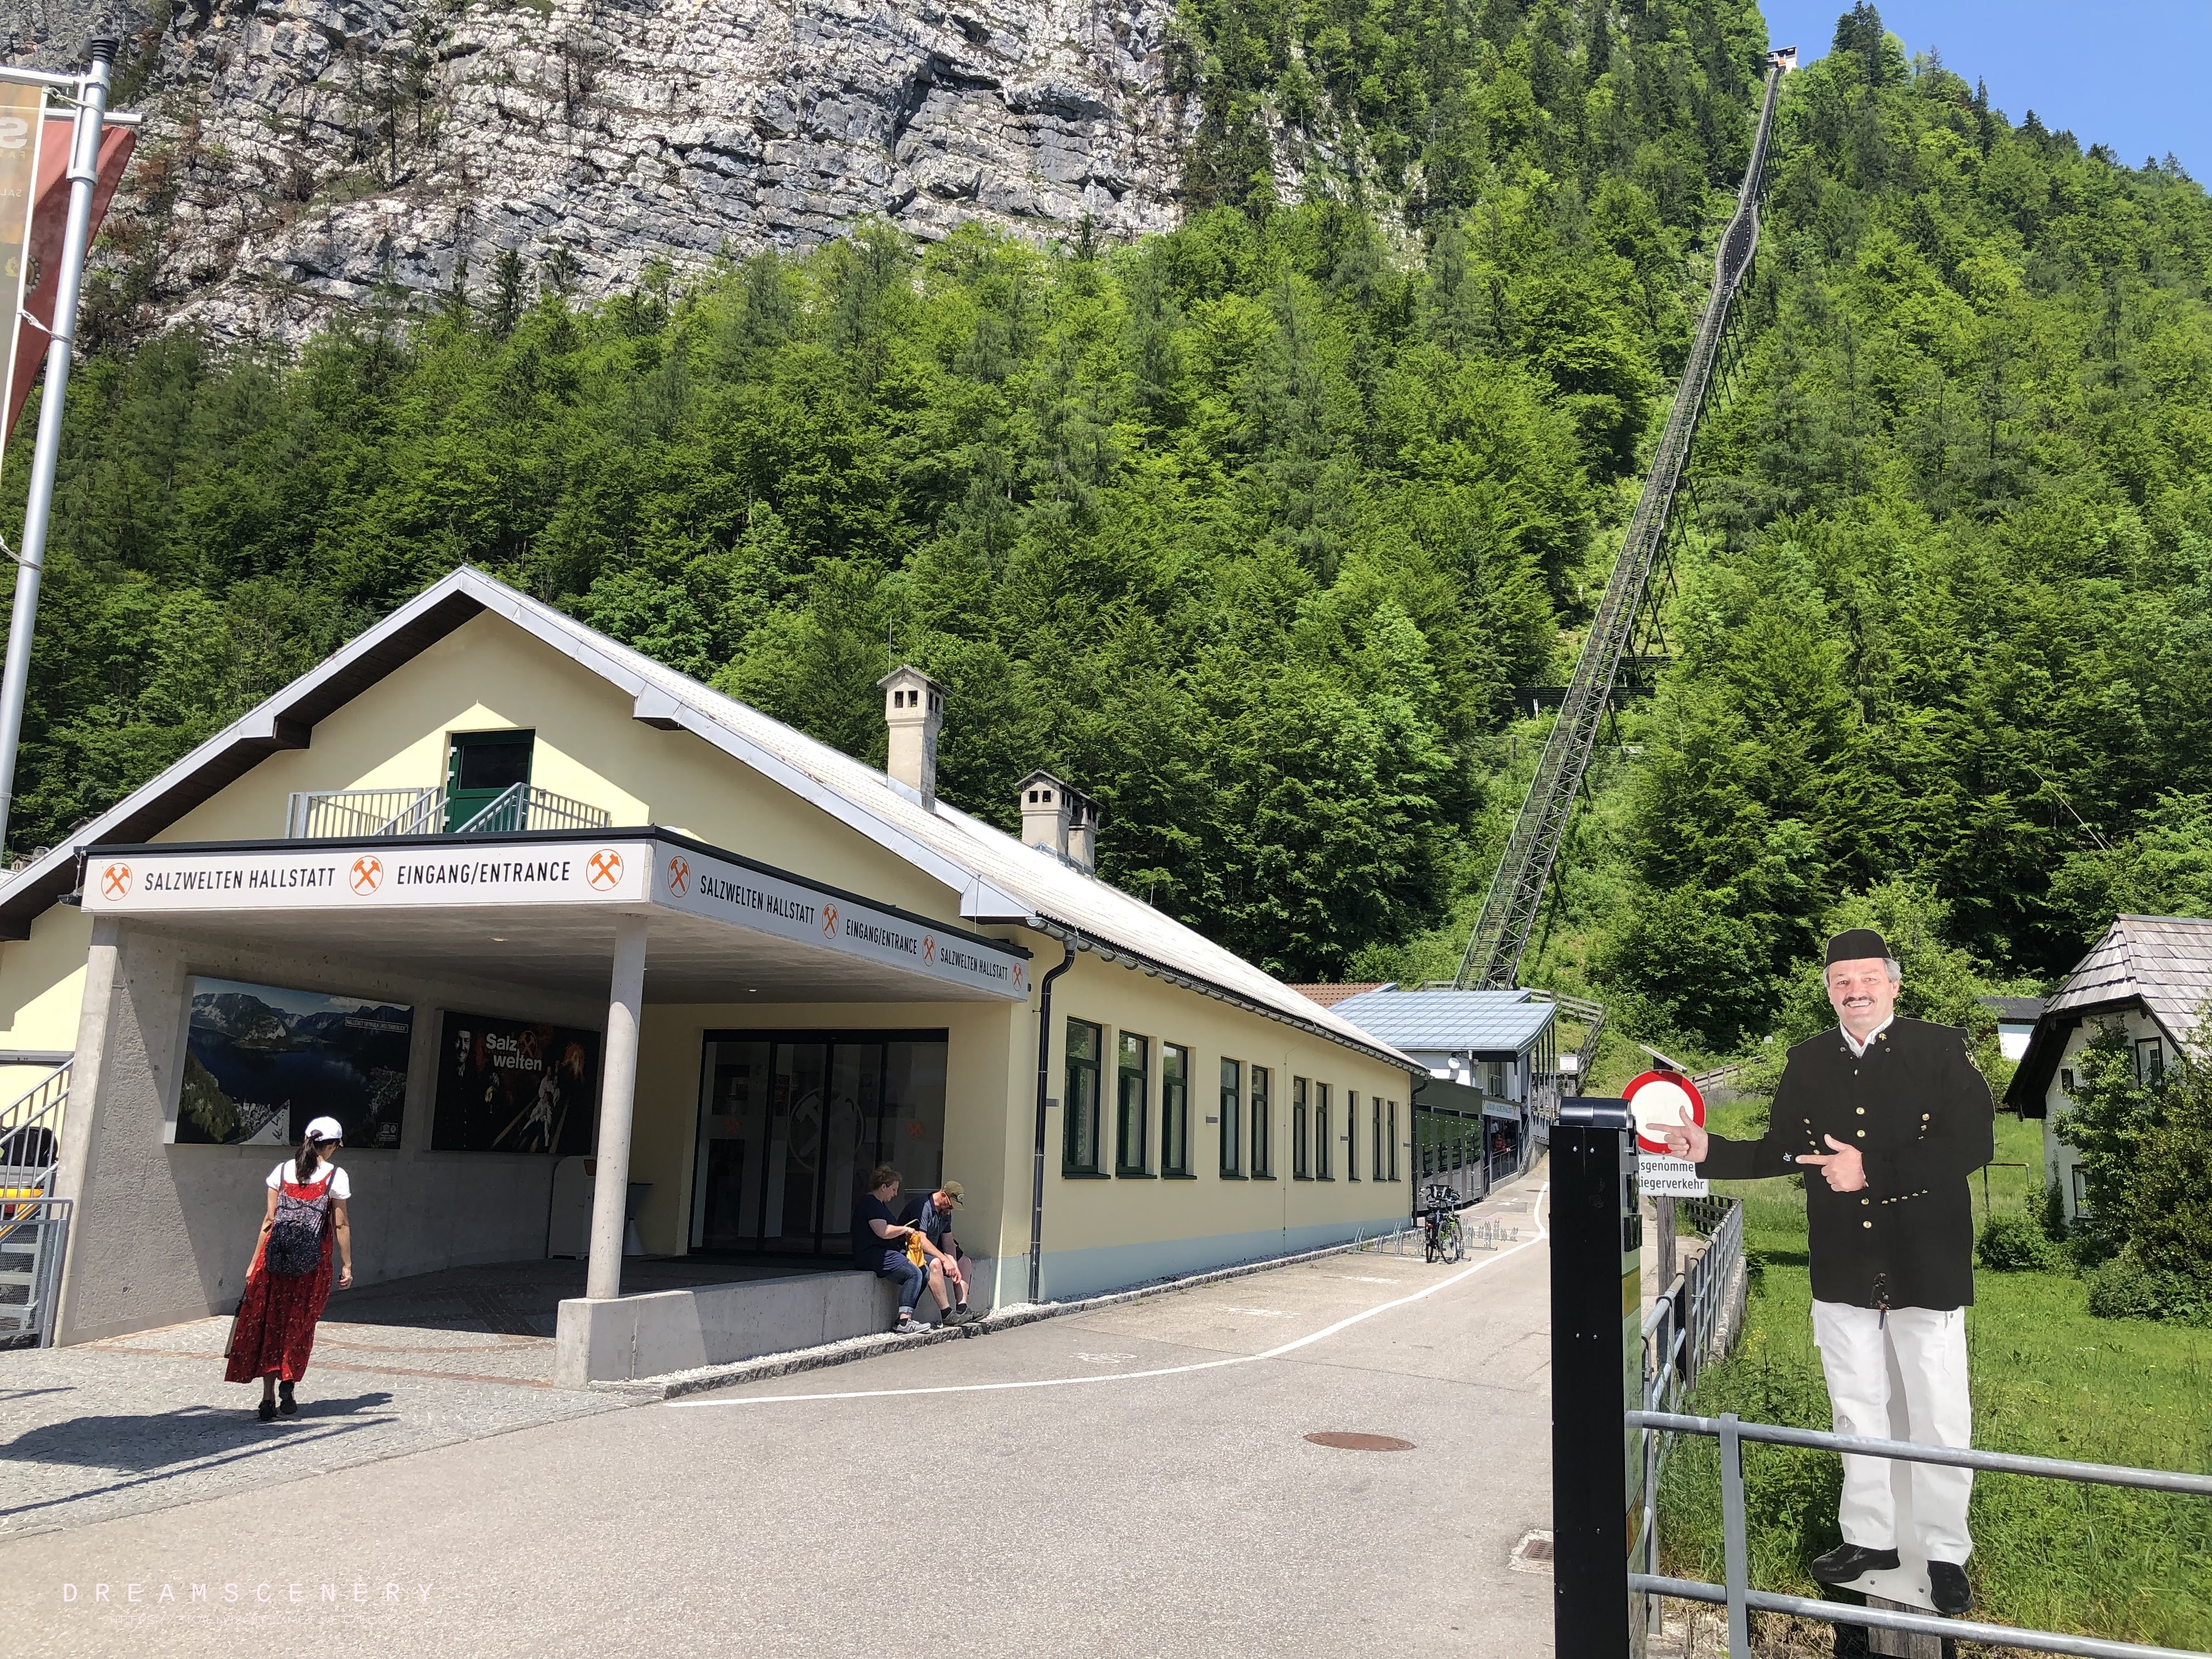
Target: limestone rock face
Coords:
[(299, 154)]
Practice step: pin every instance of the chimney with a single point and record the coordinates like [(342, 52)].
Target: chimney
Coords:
[(1083, 816), (914, 709), (1044, 814)]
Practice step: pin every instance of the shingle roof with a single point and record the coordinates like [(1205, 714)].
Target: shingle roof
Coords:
[(1329, 995), (2015, 1010), (998, 878), (2166, 961), (1481, 1023)]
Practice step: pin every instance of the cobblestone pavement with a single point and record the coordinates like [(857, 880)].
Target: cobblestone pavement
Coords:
[(146, 1421)]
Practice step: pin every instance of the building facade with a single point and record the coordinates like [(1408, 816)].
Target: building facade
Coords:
[(535, 914)]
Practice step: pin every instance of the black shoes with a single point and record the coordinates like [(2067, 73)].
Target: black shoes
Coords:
[(268, 1411), (1841, 1564), (1947, 1587), (285, 1406)]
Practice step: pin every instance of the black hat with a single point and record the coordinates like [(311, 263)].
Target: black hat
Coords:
[(1855, 944)]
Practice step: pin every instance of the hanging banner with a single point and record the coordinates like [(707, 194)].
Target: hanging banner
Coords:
[(20, 125), (49, 228)]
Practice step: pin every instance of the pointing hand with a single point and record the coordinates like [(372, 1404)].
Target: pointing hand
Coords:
[(1844, 1168), (1684, 1138)]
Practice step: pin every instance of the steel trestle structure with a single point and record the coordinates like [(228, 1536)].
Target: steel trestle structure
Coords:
[(1492, 958)]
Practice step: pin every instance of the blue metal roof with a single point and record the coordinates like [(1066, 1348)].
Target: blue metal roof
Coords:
[(1489, 1024)]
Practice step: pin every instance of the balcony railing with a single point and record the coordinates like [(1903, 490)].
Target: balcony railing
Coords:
[(349, 814)]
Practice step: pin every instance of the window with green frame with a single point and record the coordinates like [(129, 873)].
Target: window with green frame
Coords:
[(1132, 1099), (1380, 1164), (1393, 1138), (1174, 1110), (1262, 1138), (1324, 1141), (1232, 1118), (1080, 1148), (1301, 1159), (1351, 1134)]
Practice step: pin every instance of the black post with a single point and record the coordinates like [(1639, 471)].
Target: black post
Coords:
[(1597, 1310)]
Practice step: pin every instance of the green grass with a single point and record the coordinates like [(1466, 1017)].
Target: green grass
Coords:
[(2048, 1379)]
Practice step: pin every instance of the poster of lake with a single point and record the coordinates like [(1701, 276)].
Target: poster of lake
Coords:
[(260, 1061)]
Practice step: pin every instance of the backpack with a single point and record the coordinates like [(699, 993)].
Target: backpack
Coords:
[(295, 1237)]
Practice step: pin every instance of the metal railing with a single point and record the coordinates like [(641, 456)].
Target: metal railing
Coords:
[(343, 814), (349, 814), (1740, 1600), (33, 1239), (519, 807), (31, 1134)]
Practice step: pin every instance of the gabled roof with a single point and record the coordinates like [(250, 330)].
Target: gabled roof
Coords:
[(2015, 1011), (996, 878), (1492, 1024), (2161, 964)]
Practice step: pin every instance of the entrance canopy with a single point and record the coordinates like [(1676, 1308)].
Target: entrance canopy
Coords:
[(541, 908)]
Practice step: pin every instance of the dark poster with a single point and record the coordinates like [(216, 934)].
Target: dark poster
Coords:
[(260, 1061), (509, 1085)]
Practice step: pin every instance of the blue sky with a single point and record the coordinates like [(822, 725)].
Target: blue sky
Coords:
[(2129, 73)]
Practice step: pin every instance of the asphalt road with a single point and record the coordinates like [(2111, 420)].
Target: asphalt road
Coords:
[(1133, 1481)]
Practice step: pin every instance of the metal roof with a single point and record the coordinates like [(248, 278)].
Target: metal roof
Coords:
[(1493, 1023), (2162, 962), (998, 879), (2015, 1011)]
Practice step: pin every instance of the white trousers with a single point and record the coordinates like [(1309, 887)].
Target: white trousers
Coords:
[(1930, 1347)]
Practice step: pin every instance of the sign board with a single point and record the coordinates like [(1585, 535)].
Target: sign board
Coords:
[(632, 874), (1657, 1099), (514, 1085), (262, 1060)]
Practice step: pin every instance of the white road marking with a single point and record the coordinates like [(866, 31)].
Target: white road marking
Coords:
[(1105, 1359), (1276, 1352), (1259, 1313)]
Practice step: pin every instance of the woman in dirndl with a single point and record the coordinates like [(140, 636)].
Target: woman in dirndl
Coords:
[(290, 1277)]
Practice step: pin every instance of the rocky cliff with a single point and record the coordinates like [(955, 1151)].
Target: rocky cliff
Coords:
[(299, 154)]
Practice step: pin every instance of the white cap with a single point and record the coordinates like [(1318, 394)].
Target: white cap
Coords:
[(325, 1128)]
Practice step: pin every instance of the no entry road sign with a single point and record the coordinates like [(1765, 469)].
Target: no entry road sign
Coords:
[(1657, 1099)]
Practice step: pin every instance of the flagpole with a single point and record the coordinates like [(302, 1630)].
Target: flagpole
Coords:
[(30, 561)]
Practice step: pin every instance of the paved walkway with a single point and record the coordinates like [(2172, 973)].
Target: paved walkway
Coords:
[(1135, 1480)]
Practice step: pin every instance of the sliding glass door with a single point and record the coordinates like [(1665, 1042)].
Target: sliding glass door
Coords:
[(791, 1124)]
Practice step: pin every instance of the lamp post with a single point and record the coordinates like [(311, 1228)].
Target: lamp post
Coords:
[(90, 90)]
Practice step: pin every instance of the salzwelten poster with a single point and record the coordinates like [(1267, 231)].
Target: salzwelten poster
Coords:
[(261, 1059), (512, 1085)]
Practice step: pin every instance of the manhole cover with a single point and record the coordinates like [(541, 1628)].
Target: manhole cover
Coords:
[(1360, 1442), (1534, 1552)]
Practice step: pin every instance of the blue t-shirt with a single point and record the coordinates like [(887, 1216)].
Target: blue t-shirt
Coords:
[(923, 1212), (868, 1249)]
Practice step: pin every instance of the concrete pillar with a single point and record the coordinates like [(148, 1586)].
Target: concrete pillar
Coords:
[(617, 1095)]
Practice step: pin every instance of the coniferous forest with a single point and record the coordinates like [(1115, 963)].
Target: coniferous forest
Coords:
[(1255, 531)]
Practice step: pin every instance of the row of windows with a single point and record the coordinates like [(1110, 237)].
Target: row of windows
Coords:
[(1245, 1116)]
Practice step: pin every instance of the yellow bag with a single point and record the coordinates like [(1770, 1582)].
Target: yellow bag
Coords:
[(914, 1253)]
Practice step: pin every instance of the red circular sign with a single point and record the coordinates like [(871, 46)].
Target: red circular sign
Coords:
[(1660, 1098)]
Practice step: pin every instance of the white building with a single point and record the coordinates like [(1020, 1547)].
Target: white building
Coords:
[(2148, 976)]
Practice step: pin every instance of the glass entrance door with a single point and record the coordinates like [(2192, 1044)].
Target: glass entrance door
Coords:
[(792, 1122)]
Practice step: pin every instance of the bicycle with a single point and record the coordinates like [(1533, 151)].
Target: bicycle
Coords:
[(1442, 1233)]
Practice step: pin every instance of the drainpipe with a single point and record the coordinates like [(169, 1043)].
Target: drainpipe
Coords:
[(1044, 1069)]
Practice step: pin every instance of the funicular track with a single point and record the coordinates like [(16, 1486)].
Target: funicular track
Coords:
[(1492, 958)]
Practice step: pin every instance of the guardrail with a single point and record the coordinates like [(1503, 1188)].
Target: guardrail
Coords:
[(344, 814), (1742, 1601), (31, 1133), (519, 807)]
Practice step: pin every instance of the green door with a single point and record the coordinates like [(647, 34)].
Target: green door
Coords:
[(481, 767)]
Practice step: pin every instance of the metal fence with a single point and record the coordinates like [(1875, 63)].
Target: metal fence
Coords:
[(31, 1135), (33, 1239), (1742, 1601), (344, 814)]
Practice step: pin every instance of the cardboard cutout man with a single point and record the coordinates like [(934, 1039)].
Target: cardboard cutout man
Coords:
[(1887, 1117)]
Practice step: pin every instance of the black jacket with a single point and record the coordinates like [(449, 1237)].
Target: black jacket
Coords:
[(1919, 1111)]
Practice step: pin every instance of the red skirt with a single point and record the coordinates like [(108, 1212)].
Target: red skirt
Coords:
[(275, 1333)]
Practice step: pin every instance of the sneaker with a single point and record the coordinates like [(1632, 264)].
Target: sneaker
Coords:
[(956, 1317), (906, 1325)]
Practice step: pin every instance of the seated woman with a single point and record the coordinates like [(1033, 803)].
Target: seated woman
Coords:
[(879, 1245)]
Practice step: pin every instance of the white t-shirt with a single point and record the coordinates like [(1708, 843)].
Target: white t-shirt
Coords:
[(341, 1188)]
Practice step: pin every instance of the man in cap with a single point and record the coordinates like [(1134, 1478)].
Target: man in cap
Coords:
[(933, 1218), (1889, 1117)]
